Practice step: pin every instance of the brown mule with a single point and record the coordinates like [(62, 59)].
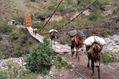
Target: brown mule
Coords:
[(94, 54), (53, 36), (76, 42)]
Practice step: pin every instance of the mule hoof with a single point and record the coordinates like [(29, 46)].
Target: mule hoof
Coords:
[(88, 66), (78, 59), (92, 74)]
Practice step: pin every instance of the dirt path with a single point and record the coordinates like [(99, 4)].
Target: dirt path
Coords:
[(107, 71)]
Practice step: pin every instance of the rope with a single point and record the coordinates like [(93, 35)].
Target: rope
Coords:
[(79, 13), (51, 15)]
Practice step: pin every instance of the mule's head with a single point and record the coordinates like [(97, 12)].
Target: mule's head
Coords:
[(96, 47), (52, 33)]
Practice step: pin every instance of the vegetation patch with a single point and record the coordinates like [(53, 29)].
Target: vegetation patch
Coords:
[(108, 59), (39, 58), (14, 71), (19, 20), (42, 57), (59, 62)]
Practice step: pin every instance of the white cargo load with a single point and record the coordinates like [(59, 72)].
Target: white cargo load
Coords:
[(92, 39)]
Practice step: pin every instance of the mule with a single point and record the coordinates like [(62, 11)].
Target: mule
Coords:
[(94, 54), (53, 36), (76, 42), (35, 31)]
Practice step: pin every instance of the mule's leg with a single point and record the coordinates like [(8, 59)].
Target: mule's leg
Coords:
[(72, 50), (77, 52), (51, 42), (78, 58), (98, 69), (92, 65), (89, 58), (54, 41)]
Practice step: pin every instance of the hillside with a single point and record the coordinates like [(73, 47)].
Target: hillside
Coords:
[(24, 57)]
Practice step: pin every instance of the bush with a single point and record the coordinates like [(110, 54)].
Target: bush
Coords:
[(14, 35), (39, 59), (59, 62), (23, 31), (107, 59), (5, 28), (83, 2), (19, 20), (93, 17), (78, 2), (61, 8), (36, 25), (100, 3)]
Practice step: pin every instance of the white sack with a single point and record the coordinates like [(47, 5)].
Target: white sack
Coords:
[(52, 30), (92, 39)]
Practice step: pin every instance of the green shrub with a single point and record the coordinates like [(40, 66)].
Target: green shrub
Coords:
[(61, 8), (78, 2), (93, 17), (36, 25), (5, 28), (19, 20), (1, 54), (59, 62), (23, 31), (39, 59), (107, 59), (100, 3), (83, 2), (14, 35)]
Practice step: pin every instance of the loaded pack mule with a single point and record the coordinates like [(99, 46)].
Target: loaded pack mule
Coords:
[(52, 33), (76, 42), (94, 54)]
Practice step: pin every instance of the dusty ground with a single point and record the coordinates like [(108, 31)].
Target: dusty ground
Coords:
[(107, 71)]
